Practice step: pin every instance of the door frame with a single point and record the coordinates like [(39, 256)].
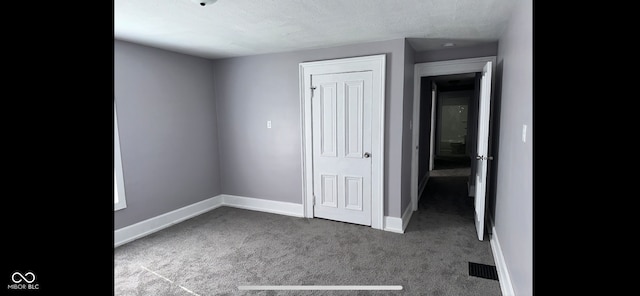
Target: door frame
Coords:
[(376, 64), (459, 66), (432, 132)]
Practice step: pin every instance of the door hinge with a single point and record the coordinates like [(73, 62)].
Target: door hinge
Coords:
[(314, 200)]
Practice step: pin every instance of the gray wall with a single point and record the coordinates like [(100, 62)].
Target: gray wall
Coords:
[(266, 163), (168, 130), (514, 196), (407, 133), (482, 50)]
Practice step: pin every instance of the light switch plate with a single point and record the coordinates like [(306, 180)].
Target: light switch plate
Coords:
[(524, 133), (268, 123)]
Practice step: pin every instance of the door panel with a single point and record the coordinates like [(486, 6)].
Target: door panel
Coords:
[(353, 119), (328, 128), (353, 192), (329, 191), (341, 116), (482, 150)]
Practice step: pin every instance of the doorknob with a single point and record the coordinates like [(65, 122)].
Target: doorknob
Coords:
[(367, 155), (481, 157)]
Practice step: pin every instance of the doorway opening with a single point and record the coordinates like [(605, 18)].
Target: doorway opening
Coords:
[(449, 164), (454, 106), (452, 130), (455, 100)]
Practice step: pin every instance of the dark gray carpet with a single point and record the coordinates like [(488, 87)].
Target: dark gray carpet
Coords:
[(216, 252)]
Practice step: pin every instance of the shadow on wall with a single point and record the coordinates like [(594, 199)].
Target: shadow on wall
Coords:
[(495, 140), (432, 49)]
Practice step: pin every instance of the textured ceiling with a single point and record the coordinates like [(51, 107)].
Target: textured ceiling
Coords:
[(247, 27)]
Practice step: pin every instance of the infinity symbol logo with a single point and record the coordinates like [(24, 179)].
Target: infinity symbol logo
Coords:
[(23, 277)]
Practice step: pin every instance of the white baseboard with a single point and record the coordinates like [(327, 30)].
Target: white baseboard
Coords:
[(392, 224), (263, 205), (501, 266), (149, 226), (398, 225), (406, 216)]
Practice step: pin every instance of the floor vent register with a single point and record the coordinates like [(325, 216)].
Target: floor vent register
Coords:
[(483, 271)]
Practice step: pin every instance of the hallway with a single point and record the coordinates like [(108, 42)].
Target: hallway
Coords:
[(447, 195)]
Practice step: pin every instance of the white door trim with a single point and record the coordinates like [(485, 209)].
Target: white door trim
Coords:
[(117, 165), (376, 64), (435, 69), (432, 136)]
